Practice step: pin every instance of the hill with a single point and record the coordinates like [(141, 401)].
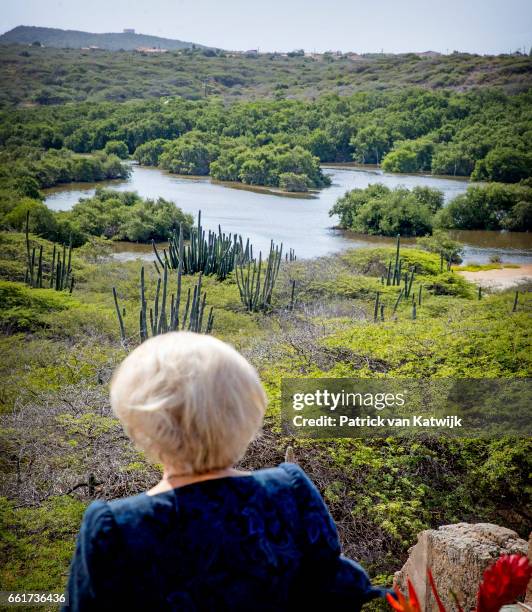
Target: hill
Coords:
[(74, 39), (38, 76)]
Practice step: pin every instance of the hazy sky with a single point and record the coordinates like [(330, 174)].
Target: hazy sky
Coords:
[(481, 26)]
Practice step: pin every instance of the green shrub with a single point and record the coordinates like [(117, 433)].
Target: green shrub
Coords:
[(23, 308), (492, 207), (118, 148), (388, 212)]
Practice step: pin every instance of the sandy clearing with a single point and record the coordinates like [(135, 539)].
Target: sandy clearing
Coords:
[(498, 280)]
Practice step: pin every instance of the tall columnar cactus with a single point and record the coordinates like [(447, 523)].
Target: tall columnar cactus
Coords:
[(394, 272), (291, 255), (293, 294), (409, 279), (401, 293), (61, 277), (397, 271), (213, 254), (376, 307), (255, 285), (164, 314)]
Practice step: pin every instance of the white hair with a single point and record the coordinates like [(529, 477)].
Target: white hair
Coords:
[(188, 400)]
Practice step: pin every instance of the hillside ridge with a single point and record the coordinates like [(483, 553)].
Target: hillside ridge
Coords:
[(77, 39)]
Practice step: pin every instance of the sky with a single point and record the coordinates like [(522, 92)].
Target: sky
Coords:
[(392, 26)]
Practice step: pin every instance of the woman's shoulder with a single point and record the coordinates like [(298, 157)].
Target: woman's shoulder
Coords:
[(288, 475)]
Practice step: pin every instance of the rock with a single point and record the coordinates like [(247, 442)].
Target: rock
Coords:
[(457, 555)]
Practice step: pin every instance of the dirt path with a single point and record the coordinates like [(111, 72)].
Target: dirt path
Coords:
[(504, 278)]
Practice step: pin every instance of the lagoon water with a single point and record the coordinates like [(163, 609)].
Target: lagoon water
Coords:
[(301, 223)]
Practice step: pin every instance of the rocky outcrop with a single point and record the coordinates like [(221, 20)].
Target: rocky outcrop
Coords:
[(457, 555)]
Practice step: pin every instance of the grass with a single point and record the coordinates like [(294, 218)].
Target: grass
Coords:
[(473, 267)]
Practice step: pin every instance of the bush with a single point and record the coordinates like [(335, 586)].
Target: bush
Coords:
[(290, 181), (491, 207), (380, 210), (23, 308), (190, 154), (264, 165), (118, 148), (126, 216), (449, 283), (505, 164), (440, 242), (148, 153)]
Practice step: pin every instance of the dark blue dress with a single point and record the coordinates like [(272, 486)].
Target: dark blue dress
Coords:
[(263, 541)]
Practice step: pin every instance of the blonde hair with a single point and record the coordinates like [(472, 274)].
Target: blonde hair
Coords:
[(188, 400)]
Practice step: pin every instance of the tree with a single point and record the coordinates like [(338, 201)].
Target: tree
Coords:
[(440, 242), (452, 160), (370, 144), (409, 156), (118, 148), (503, 164), (190, 154), (491, 207), (148, 153), (383, 211)]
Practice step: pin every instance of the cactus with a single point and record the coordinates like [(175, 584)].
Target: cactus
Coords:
[(256, 294), (120, 319), (215, 254), (376, 307), (419, 295), (292, 295), (479, 292), (60, 271), (291, 255), (164, 314), (414, 312), (397, 271), (516, 299), (398, 300), (382, 312)]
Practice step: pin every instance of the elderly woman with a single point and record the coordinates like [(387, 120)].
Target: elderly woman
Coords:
[(208, 536)]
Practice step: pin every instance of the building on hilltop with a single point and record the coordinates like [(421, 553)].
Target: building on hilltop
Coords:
[(129, 30), (150, 50)]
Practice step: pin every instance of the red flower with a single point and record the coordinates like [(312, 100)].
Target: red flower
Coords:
[(503, 582), (402, 604)]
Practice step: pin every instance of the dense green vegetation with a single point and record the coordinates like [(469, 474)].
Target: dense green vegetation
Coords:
[(55, 76), (491, 207), (388, 212), (125, 216), (59, 350), (108, 214), (485, 134)]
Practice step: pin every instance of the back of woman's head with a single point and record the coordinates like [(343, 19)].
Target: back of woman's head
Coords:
[(189, 401)]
